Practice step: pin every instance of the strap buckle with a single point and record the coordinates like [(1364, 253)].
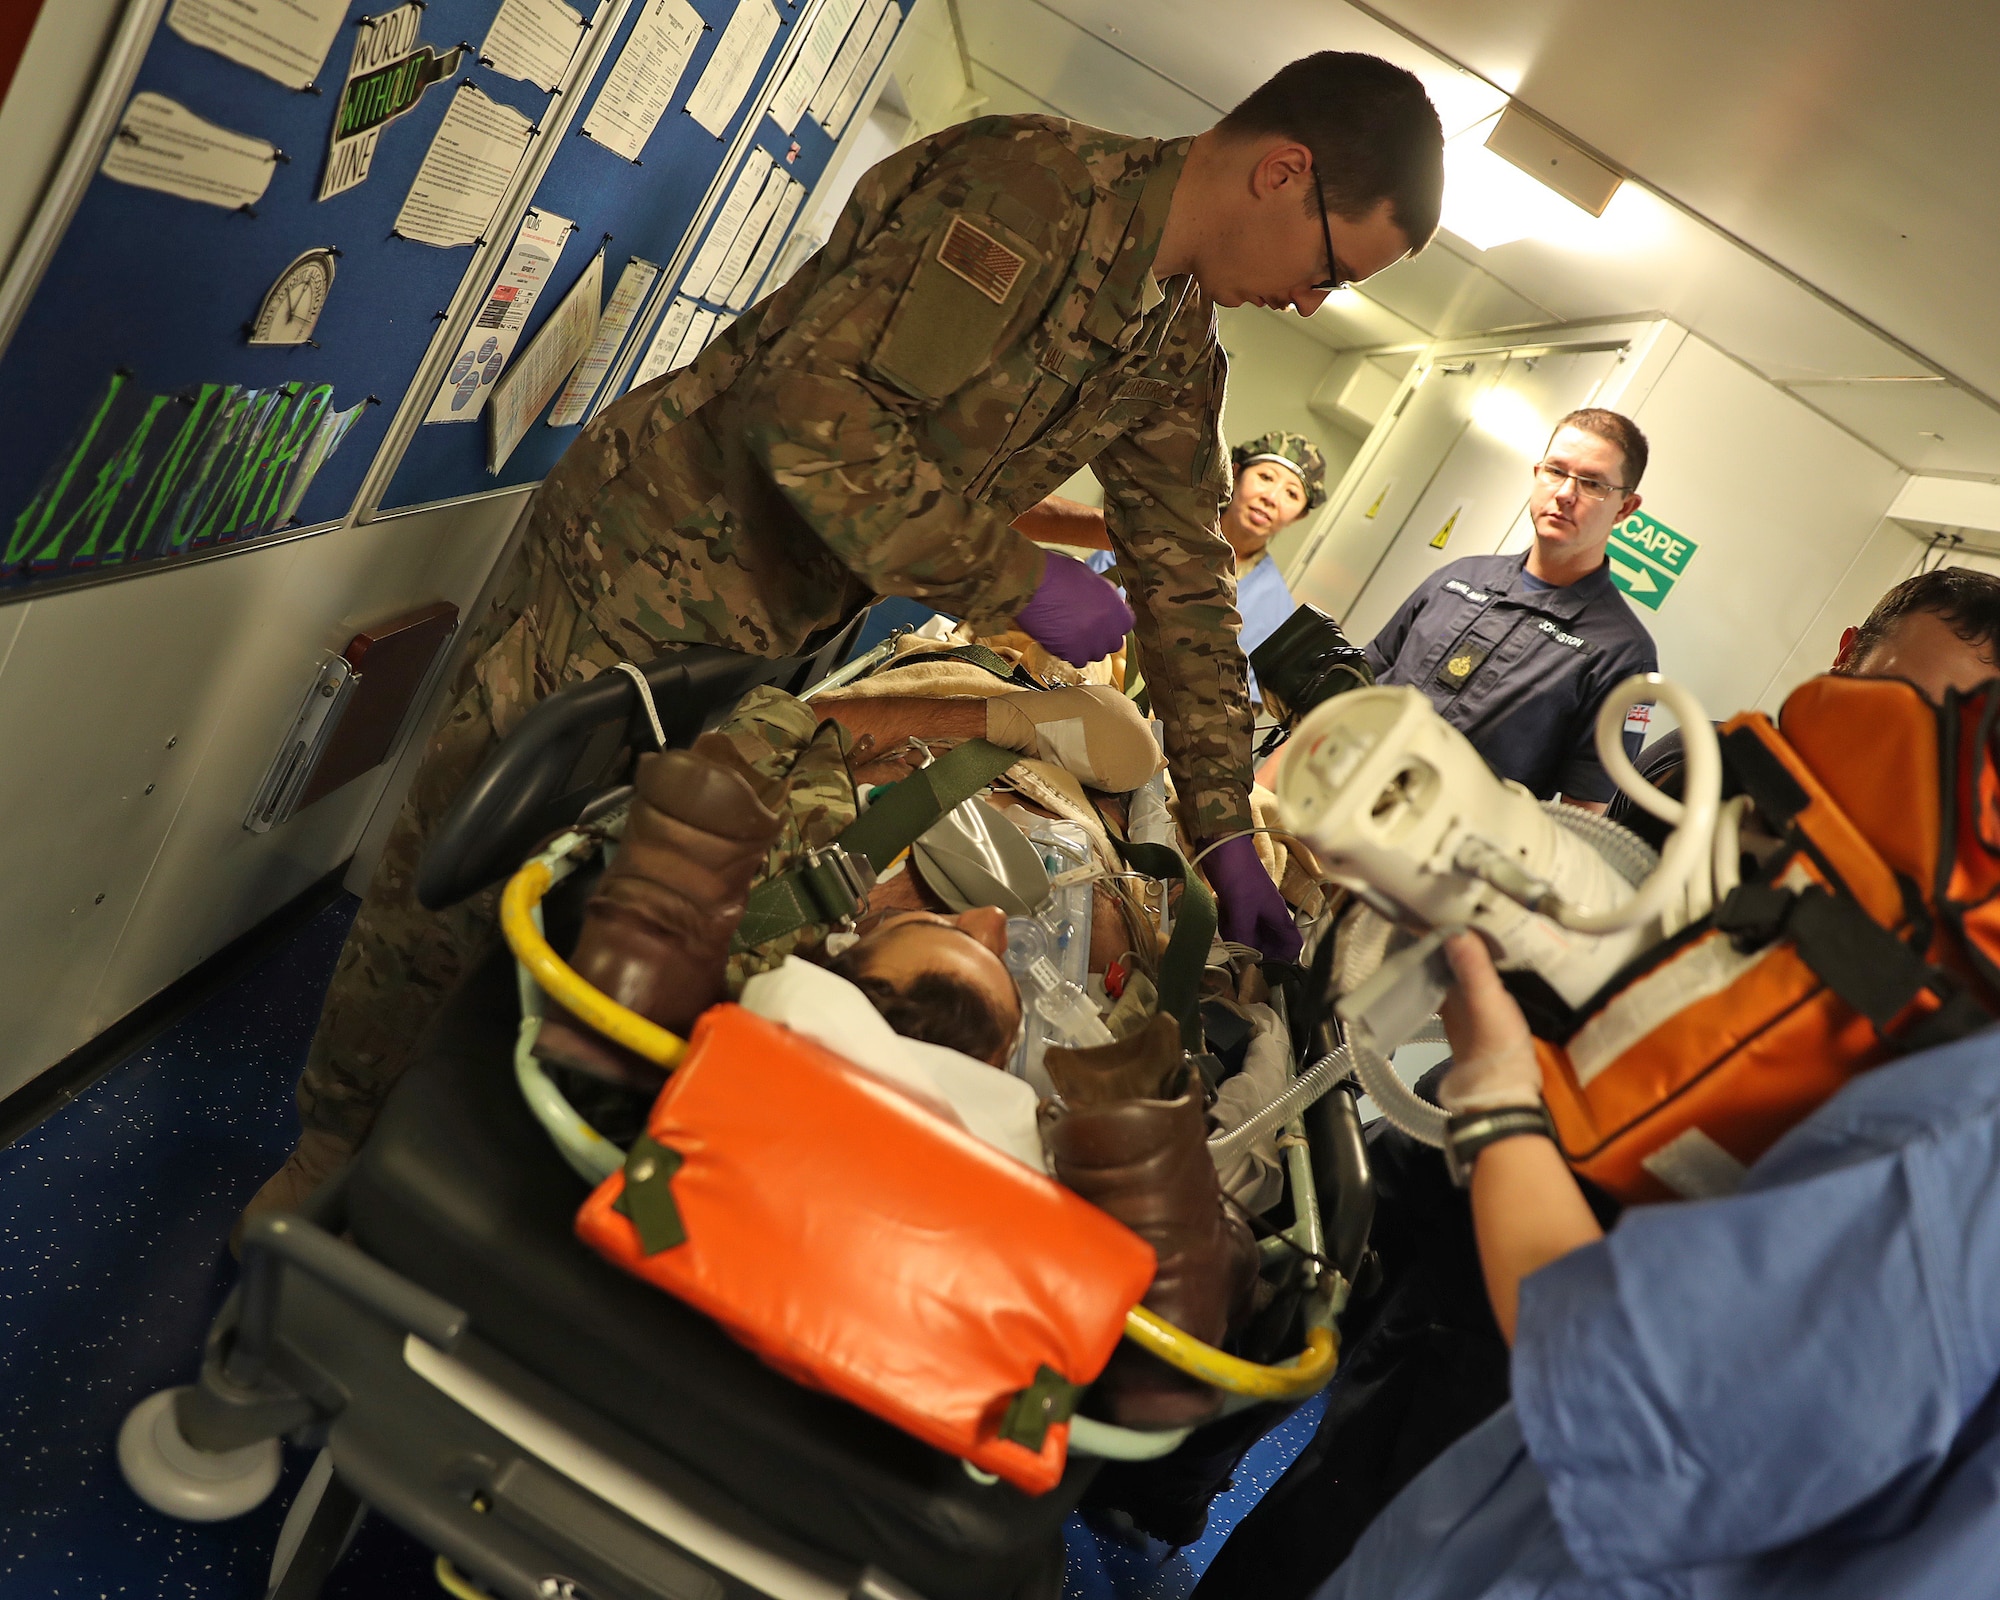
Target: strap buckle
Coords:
[(838, 882)]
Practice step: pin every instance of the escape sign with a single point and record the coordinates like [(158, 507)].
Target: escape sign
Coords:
[(1647, 558)]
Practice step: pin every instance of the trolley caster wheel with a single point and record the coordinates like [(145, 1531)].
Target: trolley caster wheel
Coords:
[(170, 1475)]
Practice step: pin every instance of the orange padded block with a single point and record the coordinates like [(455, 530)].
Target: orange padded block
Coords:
[(859, 1244)]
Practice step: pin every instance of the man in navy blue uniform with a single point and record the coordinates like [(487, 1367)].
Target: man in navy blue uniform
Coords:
[(1518, 652)]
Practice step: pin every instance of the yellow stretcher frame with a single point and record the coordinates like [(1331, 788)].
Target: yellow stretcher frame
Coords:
[(1303, 1375)]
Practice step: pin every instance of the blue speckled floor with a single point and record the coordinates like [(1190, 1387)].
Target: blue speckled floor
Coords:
[(113, 1216), (1102, 1568)]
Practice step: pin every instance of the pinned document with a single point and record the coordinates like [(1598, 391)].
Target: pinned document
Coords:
[(286, 40), (162, 145), (556, 348), (532, 40), (483, 353), (467, 169), (612, 327), (642, 82), (739, 55)]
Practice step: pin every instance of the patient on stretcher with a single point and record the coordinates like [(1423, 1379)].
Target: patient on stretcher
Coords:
[(698, 906)]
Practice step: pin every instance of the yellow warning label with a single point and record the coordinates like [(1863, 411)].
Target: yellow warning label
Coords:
[(1444, 533), (1370, 514)]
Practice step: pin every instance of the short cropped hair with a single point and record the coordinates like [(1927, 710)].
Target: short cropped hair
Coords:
[(1966, 601), (1613, 427), (1373, 133), (935, 1008)]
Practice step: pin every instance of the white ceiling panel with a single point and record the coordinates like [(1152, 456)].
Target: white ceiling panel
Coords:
[(1817, 135), (1351, 321), (1216, 57), (1853, 141), (1927, 427), (1062, 65)]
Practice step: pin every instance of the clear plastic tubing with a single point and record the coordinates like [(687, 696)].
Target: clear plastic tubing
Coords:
[(1321, 1076)]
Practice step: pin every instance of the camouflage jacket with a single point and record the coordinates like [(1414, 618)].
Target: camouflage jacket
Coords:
[(982, 323), (782, 737)]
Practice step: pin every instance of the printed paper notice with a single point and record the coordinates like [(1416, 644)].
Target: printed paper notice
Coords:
[(734, 66), (844, 63), (532, 40), (728, 223), (551, 355), (163, 145), (457, 189), (482, 354), (865, 69), (612, 327), (700, 325), (812, 62), (636, 94), (666, 341), (737, 256), (774, 237), (283, 39)]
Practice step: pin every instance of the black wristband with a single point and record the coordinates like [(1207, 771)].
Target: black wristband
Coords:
[(1469, 1132)]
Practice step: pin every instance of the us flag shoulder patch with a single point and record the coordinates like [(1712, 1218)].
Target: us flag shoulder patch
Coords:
[(980, 259)]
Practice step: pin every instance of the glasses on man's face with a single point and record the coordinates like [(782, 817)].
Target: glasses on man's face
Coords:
[(1552, 477), (1338, 277)]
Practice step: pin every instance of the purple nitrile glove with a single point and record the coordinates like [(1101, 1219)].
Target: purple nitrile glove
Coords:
[(1075, 614), (1248, 907)]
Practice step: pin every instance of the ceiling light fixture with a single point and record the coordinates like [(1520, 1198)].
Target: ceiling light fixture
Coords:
[(1511, 177)]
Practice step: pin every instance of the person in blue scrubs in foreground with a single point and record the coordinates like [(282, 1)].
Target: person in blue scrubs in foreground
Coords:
[(1794, 1391), (1280, 476)]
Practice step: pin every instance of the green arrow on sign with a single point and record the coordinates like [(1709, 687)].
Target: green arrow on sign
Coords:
[(1637, 580), (1646, 557)]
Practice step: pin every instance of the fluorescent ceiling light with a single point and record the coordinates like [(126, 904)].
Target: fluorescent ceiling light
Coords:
[(1490, 201)]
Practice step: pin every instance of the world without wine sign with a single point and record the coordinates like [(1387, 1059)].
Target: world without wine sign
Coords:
[(387, 77), (151, 476)]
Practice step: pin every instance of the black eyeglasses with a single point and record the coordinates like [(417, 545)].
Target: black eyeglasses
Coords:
[(1338, 276)]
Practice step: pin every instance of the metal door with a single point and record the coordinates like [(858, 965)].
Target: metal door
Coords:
[(1393, 474), (1481, 487)]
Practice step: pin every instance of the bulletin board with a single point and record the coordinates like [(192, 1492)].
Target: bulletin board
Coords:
[(144, 425), (158, 290), (661, 209)]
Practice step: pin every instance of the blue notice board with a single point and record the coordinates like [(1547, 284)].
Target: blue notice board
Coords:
[(148, 297), (647, 209)]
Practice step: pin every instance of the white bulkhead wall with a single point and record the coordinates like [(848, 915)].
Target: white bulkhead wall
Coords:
[(138, 717), (1787, 510)]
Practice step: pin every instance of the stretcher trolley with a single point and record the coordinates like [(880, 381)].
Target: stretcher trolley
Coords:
[(553, 1426)]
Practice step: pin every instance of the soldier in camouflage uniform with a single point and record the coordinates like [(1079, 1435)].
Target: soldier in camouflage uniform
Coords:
[(998, 305)]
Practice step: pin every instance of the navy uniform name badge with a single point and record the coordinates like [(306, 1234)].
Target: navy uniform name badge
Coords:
[(1460, 664)]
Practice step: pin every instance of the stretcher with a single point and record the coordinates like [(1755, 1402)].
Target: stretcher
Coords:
[(549, 1424)]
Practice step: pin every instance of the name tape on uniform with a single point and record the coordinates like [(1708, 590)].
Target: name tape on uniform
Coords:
[(1647, 558)]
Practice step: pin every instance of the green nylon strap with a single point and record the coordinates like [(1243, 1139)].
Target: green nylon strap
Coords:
[(904, 811), (649, 1195), (1050, 1399), (1194, 931), (973, 655), (806, 896)]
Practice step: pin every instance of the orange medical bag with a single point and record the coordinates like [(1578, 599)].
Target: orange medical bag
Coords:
[(860, 1244), (1873, 930)]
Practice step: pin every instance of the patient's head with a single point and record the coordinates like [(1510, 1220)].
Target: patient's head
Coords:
[(940, 979), (1939, 630)]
